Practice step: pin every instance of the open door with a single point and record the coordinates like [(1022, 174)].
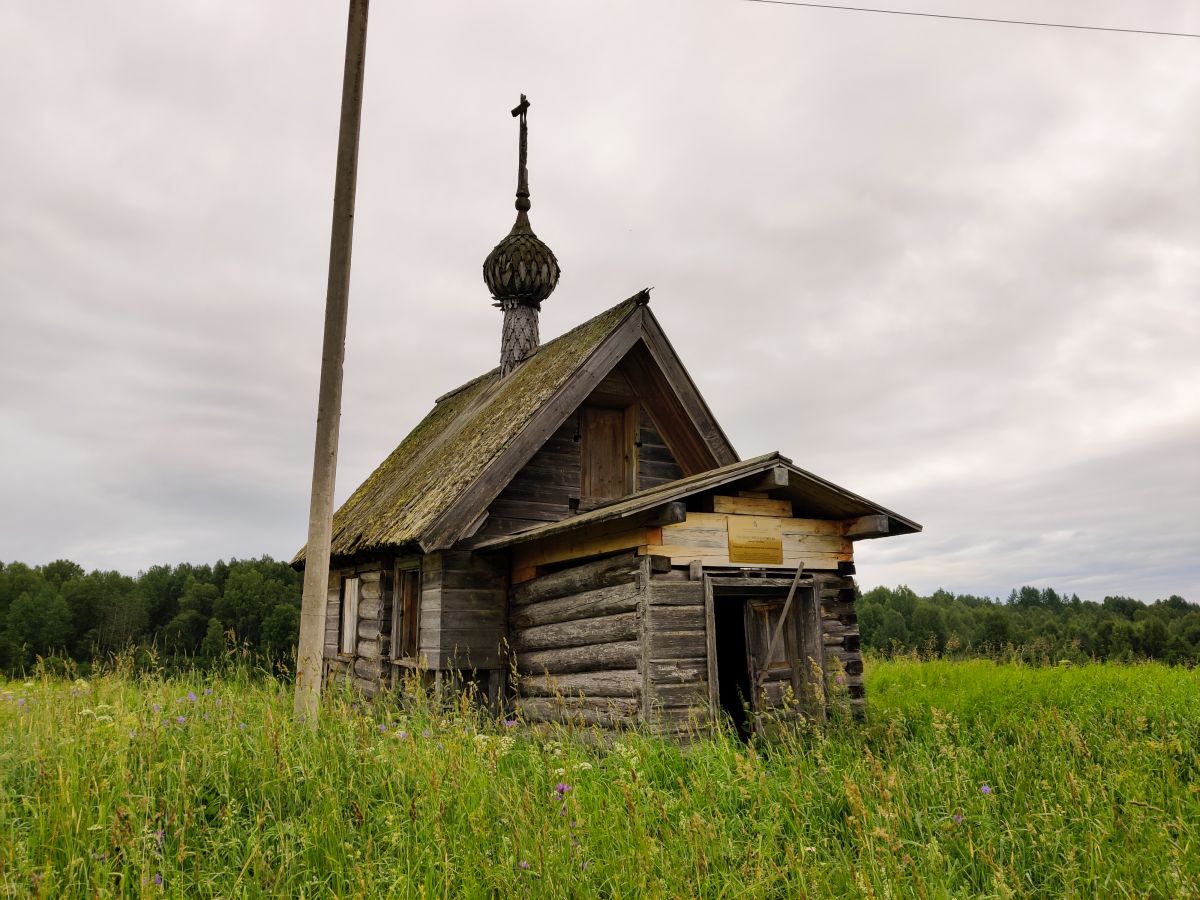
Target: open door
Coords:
[(787, 681)]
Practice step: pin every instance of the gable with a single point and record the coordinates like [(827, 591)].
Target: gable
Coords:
[(555, 483), (435, 488)]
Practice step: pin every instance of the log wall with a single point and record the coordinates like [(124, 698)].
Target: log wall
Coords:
[(575, 635), (675, 655), (842, 640), (364, 668), (462, 611)]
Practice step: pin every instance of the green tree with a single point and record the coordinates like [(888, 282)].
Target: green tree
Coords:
[(213, 644), (38, 624)]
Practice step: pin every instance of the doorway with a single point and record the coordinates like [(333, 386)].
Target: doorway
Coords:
[(733, 664)]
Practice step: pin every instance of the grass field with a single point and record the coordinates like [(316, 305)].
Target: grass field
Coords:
[(971, 779)]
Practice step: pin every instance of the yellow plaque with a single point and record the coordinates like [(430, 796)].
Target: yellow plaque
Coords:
[(755, 540)]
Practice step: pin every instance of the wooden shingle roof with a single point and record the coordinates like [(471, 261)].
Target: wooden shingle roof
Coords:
[(438, 482)]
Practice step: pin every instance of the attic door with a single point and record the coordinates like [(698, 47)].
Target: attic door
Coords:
[(607, 463)]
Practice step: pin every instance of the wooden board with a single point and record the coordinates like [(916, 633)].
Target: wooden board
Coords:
[(818, 543), (755, 540), (753, 506), (574, 546), (602, 453)]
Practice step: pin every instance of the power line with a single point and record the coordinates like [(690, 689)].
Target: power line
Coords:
[(900, 12)]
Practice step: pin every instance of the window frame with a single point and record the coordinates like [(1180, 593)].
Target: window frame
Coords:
[(351, 594), (406, 614)]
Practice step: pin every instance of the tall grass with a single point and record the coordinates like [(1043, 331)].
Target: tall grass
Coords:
[(970, 779)]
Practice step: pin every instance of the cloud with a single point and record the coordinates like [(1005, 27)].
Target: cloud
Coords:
[(952, 267)]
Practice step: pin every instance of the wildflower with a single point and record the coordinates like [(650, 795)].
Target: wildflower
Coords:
[(425, 733), (523, 864), (510, 723), (561, 788), (402, 735), (382, 728), (156, 707), (181, 719), (20, 701), (158, 879), (241, 726), (191, 696), (207, 692), (160, 837), (958, 818), (986, 788)]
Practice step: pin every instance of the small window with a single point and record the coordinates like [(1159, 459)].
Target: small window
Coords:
[(406, 606), (348, 627)]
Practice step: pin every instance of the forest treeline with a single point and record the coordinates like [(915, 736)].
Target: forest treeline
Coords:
[(1040, 624), (189, 615)]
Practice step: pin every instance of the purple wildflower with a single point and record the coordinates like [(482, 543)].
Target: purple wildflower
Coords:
[(403, 735), (242, 726), (986, 788), (156, 707), (523, 864), (20, 701), (181, 719), (382, 728), (561, 788), (158, 878), (192, 696), (958, 818), (207, 692), (425, 733), (510, 723)]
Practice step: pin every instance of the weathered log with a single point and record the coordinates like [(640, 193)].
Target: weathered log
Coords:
[(368, 630), (670, 671), (368, 591), (676, 618), (368, 649), (367, 668), (579, 633), (676, 593), (618, 655), (618, 683), (676, 644), (601, 573), (691, 694), (589, 604), (603, 711), (369, 609)]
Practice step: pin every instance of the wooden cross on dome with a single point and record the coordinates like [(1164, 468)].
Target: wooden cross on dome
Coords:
[(523, 156)]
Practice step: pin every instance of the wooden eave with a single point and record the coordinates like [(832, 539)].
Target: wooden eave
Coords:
[(812, 496)]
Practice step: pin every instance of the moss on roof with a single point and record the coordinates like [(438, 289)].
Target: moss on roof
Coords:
[(462, 435)]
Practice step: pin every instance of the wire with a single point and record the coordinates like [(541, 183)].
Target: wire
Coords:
[(900, 12)]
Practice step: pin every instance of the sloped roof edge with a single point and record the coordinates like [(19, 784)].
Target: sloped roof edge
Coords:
[(805, 483)]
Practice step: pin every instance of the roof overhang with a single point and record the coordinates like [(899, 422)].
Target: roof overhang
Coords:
[(811, 496)]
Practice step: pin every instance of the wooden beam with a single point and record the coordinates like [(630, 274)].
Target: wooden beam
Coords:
[(752, 506), (771, 480), (866, 527)]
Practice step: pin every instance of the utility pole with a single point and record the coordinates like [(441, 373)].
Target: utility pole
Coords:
[(333, 353)]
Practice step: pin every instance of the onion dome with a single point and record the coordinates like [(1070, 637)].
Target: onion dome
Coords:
[(521, 269)]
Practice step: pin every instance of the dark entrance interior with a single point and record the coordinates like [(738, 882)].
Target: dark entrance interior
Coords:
[(733, 670)]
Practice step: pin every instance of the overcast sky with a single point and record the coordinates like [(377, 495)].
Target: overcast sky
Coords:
[(953, 267)]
